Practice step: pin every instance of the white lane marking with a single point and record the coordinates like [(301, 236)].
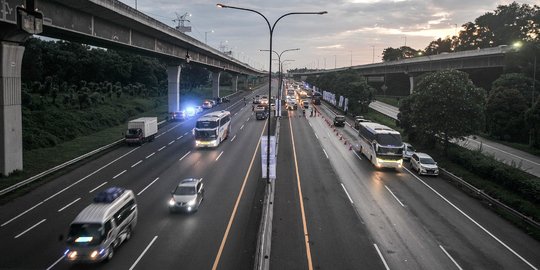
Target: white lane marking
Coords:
[(310, 124), (56, 262), (242, 127), (171, 142), (325, 153), (184, 155), (66, 188), (186, 133), (235, 114), (484, 144), (161, 148), (344, 189), (219, 155), (357, 155), (473, 221), (157, 136), (348, 124), (137, 163), (233, 138), (116, 176), (448, 254), (140, 192), (94, 189), (180, 137), (394, 195), (382, 258), (316, 135), (144, 252), (25, 231), (150, 155), (68, 205)]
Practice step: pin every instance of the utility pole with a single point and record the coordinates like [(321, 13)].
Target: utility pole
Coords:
[(373, 57), (181, 19), (335, 62), (351, 58)]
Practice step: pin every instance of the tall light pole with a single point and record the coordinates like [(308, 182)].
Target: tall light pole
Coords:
[(335, 62), (205, 36), (373, 57), (271, 29), (279, 66), (351, 58)]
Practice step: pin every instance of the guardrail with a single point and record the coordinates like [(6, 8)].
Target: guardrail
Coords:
[(264, 239), (492, 201)]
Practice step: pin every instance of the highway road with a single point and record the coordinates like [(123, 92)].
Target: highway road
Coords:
[(221, 235), (525, 161), (422, 222)]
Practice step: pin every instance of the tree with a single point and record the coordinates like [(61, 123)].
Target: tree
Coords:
[(505, 109), (532, 118), (393, 54), (446, 104), (516, 81), (439, 46)]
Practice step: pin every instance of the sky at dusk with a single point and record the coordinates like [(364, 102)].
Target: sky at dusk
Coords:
[(354, 31)]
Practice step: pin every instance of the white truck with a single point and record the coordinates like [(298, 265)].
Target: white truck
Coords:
[(141, 130)]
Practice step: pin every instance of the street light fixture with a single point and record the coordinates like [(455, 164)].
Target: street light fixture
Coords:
[(280, 78), (271, 29)]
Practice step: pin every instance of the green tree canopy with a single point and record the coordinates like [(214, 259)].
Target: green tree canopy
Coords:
[(505, 110), (516, 81), (446, 104)]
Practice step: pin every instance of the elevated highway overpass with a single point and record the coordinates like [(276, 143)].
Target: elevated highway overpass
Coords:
[(104, 23)]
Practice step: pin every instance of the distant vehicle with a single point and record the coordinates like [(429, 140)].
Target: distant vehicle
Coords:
[(291, 104), (102, 226), (256, 99), (187, 195), (359, 119), (316, 100), (213, 101), (381, 145), (272, 107), (264, 100), (260, 107), (305, 103), (178, 116), (225, 100), (261, 115), (339, 121), (198, 109), (408, 151), (141, 130), (212, 128), (424, 164), (207, 104)]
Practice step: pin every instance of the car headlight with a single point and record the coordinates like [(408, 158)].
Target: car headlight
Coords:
[(72, 254), (94, 254), (171, 202), (192, 202)]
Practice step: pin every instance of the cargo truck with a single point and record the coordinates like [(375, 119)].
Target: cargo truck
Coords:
[(141, 130)]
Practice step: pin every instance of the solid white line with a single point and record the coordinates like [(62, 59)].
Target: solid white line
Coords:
[(68, 205), (17, 236), (144, 252), (310, 124), (157, 136), (233, 138), (161, 148), (171, 142), (138, 162), (104, 183), (325, 153), (66, 188), (357, 155), (394, 195), (184, 155), (219, 155), (116, 176), (186, 133), (150, 155), (382, 258), (473, 221), (242, 127), (140, 192), (56, 262), (448, 254), (347, 193), (348, 124), (316, 135), (180, 137)]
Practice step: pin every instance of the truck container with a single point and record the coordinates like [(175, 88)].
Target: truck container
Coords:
[(141, 130)]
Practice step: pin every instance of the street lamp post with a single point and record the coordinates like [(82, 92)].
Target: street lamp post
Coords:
[(271, 29), (205, 36), (279, 66)]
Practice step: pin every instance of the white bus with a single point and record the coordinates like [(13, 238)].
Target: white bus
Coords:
[(212, 128), (381, 145)]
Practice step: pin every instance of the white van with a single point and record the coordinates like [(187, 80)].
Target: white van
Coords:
[(102, 226)]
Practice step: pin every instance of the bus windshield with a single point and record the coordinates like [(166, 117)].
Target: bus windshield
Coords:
[(389, 139), (87, 234), (205, 134)]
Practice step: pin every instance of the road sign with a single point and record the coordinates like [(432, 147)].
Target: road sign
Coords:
[(264, 156)]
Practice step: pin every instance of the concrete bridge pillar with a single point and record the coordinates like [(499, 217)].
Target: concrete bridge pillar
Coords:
[(235, 83), (11, 150), (215, 83), (411, 82), (173, 77)]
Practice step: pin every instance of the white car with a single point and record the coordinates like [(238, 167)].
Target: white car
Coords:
[(424, 164), (408, 151), (187, 195)]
